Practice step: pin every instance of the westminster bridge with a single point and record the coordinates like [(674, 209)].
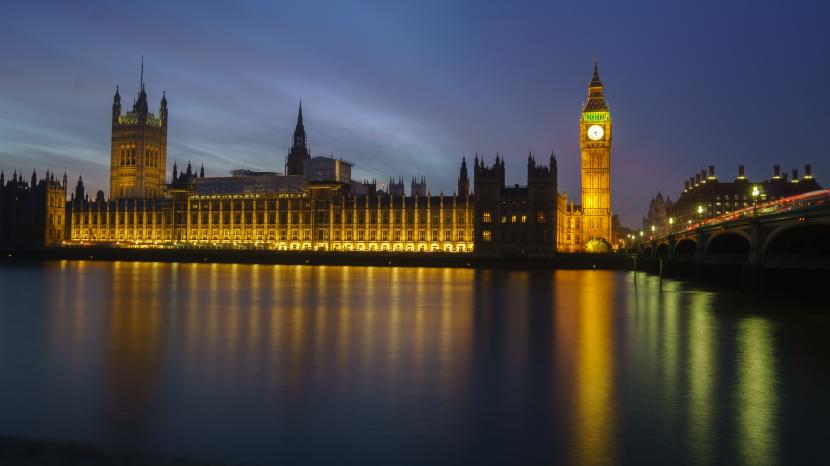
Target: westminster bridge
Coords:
[(789, 233)]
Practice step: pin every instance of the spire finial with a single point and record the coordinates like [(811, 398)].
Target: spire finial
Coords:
[(142, 73), (595, 81)]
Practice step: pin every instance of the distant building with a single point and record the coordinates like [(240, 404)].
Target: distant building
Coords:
[(323, 168), (704, 196), (396, 188), (33, 214), (418, 187)]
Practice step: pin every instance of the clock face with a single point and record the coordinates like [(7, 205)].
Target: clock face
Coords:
[(595, 132)]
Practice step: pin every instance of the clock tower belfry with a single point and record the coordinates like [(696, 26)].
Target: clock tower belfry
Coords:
[(595, 145)]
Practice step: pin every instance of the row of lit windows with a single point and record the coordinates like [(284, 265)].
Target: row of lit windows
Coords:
[(348, 216), (487, 217)]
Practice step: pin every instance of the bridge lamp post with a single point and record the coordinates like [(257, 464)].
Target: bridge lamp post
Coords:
[(671, 222), (700, 213), (755, 193)]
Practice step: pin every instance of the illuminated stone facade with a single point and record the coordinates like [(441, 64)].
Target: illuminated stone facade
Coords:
[(138, 163), (319, 217), (316, 206), (587, 227)]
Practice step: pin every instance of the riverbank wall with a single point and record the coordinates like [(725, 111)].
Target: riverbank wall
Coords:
[(396, 259)]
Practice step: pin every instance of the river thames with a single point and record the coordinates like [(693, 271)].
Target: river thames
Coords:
[(365, 365)]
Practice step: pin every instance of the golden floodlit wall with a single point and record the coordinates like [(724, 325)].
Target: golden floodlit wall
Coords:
[(318, 219)]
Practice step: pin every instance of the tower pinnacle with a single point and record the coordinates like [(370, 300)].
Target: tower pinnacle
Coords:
[(596, 100)]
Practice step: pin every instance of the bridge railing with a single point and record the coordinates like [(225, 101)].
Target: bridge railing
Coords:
[(785, 204)]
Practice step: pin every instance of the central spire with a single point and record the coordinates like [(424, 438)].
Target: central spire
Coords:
[(299, 131), (299, 152)]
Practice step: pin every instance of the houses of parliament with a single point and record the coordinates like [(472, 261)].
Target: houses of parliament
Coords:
[(314, 204)]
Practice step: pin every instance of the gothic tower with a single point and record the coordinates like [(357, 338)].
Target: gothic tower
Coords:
[(595, 144), (299, 152), (463, 179), (138, 163)]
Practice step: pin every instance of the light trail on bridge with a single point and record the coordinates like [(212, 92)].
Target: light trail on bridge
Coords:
[(784, 204)]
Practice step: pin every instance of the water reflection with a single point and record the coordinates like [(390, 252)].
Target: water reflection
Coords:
[(756, 393), (257, 363)]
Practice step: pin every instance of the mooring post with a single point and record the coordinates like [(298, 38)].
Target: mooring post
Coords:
[(635, 270), (661, 275)]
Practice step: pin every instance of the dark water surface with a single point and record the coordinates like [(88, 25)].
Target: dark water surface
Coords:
[(361, 365)]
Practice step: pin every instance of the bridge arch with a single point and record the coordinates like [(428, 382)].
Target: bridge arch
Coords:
[(684, 249), (782, 232), (663, 251), (798, 245), (728, 246)]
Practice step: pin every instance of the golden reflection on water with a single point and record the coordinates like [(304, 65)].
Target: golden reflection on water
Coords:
[(701, 366), (585, 335), (415, 332), (757, 395)]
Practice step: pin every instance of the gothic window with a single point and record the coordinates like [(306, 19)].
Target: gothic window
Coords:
[(540, 217), (486, 235), (486, 217)]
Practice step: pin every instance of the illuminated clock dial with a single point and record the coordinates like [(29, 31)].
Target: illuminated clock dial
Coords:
[(595, 132)]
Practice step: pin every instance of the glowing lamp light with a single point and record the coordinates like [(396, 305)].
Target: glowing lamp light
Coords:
[(700, 209), (671, 220), (755, 192)]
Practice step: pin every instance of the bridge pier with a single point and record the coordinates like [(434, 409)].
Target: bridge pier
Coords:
[(756, 243)]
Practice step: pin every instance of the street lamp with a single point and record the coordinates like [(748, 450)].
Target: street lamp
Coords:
[(755, 193), (700, 213), (671, 222)]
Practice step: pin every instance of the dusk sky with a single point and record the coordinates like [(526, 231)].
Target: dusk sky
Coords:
[(402, 89)]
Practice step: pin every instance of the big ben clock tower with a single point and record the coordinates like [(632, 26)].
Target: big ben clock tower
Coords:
[(595, 144)]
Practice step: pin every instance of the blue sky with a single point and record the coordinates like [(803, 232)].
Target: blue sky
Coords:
[(406, 88)]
